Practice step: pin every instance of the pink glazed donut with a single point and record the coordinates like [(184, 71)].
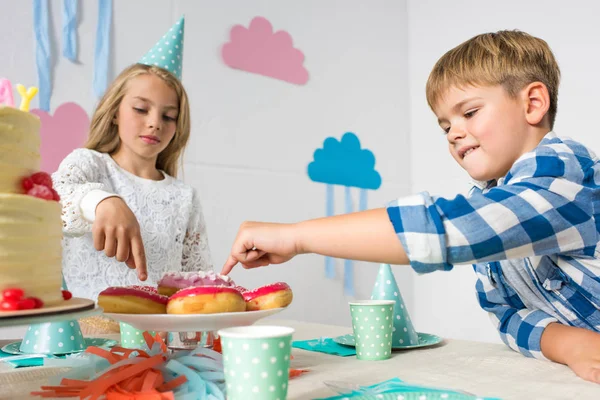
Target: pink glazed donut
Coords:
[(171, 282), (206, 300), (276, 295), (132, 300)]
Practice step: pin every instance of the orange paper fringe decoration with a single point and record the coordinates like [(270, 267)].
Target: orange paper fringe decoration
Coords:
[(140, 381)]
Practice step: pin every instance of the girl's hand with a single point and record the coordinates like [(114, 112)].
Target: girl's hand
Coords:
[(258, 244), (117, 232)]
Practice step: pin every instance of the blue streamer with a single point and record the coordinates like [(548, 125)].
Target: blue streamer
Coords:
[(69, 29), (362, 205), (348, 264), (102, 49), (42, 52), (330, 211)]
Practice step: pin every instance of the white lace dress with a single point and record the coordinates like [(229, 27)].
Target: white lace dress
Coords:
[(168, 211)]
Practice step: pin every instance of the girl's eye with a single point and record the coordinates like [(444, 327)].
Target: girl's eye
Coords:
[(471, 113), (171, 119), (140, 110)]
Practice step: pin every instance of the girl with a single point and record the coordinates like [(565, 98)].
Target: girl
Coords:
[(122, 206)]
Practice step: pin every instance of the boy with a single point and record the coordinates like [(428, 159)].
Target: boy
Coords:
[(530, 225)]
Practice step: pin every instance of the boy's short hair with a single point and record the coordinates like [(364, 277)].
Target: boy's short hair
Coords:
[(512, 59)]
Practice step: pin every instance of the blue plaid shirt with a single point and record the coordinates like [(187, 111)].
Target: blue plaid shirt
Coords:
[(540, 222)]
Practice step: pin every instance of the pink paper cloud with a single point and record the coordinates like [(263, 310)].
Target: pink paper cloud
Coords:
[(62, 133), (258, 50)]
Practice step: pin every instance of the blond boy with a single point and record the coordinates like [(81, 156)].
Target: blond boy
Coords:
[(530, 226)]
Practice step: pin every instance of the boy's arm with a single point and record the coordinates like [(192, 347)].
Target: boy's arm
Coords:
[(365, 236), (519, 329), (578, 348)]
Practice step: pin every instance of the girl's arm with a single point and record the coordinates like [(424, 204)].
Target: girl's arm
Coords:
[(196, 252), (78, 182), (89, 206)]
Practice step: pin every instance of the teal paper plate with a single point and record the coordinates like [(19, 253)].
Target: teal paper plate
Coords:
[(425, 340), (417, 396), (13, 348)]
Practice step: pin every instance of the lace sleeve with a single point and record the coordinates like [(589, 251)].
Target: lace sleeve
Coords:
[(78, 174), (196, 252)]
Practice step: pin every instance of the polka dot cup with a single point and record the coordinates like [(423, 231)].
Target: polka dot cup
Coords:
[(53, 338), (132, 338), (256, 361), (372, 322)]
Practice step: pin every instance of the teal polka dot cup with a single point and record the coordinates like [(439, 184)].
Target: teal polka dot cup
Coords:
[(372, 322), (132, 338), (256, 361)]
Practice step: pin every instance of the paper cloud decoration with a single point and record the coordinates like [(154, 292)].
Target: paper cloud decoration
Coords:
[(61, 133), (259, 50), (344, 163)]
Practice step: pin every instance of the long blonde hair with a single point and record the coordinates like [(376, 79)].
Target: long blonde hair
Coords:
[(104, 134), (512, 59)]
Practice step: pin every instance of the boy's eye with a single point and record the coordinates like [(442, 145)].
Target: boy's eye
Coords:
[(471, 113), (446, 130)]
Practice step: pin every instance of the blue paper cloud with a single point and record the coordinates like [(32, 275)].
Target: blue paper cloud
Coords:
[(344, 163)]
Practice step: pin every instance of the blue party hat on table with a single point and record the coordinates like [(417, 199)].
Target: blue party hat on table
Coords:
[(61, 337), (167, 53), (386, 288)]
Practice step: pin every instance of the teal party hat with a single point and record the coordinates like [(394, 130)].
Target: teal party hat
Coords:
[(386, 288), (167, 53), (61, 337)]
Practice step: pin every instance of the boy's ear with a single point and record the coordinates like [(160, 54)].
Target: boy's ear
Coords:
[(537, 101)]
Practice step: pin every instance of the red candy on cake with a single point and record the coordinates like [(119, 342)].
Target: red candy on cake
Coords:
[(40, 185), (13, 299), (276, 295)]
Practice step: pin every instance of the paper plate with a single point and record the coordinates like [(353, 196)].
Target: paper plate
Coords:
[(13, 348), (192, 322), (425, 340)]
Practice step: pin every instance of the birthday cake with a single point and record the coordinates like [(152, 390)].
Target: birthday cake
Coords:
[(30, 223)]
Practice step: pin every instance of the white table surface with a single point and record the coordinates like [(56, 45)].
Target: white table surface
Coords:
[(484, 369)]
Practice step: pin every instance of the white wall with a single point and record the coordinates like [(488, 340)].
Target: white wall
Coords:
[(253, 137), (368, 64), (445, 302)]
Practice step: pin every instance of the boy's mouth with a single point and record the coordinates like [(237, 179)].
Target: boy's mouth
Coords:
[(465, 151)]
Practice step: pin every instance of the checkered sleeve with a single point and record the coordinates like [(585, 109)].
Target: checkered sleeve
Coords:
[(520, 329), (540, 208)]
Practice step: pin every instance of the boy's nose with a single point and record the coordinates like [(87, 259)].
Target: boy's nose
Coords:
[(455, 133)]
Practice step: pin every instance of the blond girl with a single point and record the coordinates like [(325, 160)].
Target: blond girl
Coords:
[(123, 208)]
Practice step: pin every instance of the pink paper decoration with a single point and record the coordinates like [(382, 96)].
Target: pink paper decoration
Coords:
[(62, 133), (6, 93), (258, 50)]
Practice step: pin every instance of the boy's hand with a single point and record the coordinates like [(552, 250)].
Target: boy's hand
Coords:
[(258, 244), (117, 232), (576, 347)]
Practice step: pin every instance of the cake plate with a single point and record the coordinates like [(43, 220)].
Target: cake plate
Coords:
[(192, 322), (75, 308)]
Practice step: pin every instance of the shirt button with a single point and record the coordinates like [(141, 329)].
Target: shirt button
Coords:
[(488, 269)]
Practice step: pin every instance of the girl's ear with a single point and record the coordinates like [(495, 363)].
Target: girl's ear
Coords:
[(537, 102)]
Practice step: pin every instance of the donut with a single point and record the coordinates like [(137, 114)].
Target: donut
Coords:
[(206, 300), (132, 300), (276, 295), (171, 282)]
